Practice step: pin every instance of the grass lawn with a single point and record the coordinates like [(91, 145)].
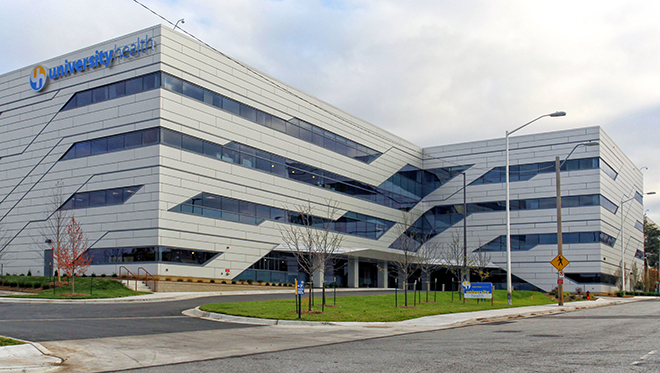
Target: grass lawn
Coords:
[(374, 307), (86, 288), (9, 342)]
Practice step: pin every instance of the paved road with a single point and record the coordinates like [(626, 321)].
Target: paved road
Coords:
[(622, 338), (41, 322)]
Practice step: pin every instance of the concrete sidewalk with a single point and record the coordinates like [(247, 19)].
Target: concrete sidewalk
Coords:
[(28, 357), (162, 297), (36, 358)]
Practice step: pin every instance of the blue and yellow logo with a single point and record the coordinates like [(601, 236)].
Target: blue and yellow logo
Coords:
[(38, 78)]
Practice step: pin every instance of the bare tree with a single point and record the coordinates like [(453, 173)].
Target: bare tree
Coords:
[(55, 225), (404, 261), (428, 260), (480, 263), (312, 239), (453, 257)]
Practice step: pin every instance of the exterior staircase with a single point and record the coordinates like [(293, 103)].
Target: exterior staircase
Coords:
[(141, 285)]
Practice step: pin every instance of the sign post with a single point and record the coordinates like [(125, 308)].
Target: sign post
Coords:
[(300, 291), (560, 262)]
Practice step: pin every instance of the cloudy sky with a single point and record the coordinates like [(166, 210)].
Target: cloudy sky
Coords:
[(432, 72)]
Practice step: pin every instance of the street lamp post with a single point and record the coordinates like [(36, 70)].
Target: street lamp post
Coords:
[(623, 259), (560, 238), (465, 275), (509, 289)]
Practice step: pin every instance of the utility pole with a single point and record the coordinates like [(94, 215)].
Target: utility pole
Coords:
[(560, 281)]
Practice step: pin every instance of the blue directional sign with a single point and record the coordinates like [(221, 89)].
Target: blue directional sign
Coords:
[(478, 290), (300, 287)]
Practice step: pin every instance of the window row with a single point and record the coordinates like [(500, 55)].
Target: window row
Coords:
[(593, 278), (248, 156), (525, 242), (414, 183), (150, 254), (440, 218), (113, 143), (294, 127), (114, 90), (274, 261), (525, 172), (231, 209), (98, 198)]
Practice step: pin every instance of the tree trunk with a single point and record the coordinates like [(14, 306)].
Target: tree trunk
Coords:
[(405, 293)]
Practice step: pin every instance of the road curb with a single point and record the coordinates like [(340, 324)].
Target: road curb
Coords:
[(450, 320)]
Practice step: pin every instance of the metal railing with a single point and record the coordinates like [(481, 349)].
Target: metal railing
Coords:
[(147, 278)]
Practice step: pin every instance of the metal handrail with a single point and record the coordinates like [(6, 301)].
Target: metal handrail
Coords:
[(128, 277), (146, 275)]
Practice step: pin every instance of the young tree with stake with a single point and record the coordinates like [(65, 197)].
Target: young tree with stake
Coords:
[(312, 240), (72, 258)]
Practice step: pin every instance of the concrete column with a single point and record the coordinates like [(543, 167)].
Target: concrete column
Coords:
[(353, 273), (318, 278), (382, 274)]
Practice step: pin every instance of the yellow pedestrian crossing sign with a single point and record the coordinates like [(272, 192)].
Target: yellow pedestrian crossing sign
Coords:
[(559, 262)]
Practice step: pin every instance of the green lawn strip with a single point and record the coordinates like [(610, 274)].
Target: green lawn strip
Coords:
[(92, 288), (9, 342), (375, 308)]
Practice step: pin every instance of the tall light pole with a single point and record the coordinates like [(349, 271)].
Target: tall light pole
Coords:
[(465, 274), (623, 246), (560, 238), (509, 289)]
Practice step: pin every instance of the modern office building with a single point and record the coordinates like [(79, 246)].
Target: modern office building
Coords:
[(187, 163)]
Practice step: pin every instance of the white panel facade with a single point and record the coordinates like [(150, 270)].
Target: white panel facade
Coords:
[(91, 132)]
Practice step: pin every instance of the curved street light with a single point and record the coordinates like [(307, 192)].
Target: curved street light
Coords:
[(509, 288)]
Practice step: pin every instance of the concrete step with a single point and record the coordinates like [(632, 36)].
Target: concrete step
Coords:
[(141, 285)]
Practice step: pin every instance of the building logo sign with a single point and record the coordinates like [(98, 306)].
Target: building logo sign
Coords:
[(101, 58), (38, 78)]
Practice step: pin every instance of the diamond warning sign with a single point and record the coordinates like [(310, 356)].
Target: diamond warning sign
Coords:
[(559, 262)]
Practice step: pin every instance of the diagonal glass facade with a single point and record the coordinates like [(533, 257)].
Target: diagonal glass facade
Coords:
[(231, 209)]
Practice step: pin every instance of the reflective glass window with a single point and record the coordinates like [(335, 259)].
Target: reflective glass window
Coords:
[(99, 146), (193, 91), (134, 86), (192, 144), (80, 200), (84, 98), (83, 149), (133, 139), (100, 94), (116, 143), (231, 106), (150, 136), (173, 84), (171, 138), (116, 90), (97, 198)]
